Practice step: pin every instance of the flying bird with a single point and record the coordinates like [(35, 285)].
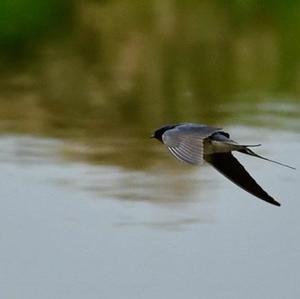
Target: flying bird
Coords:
[(193, 143)]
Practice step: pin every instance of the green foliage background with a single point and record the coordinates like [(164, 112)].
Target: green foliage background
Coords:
[(71, 63)]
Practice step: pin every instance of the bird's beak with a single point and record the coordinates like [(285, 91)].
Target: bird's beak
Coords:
[(152, 136)]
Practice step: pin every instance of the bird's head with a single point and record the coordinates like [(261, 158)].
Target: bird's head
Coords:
[(160, 131)]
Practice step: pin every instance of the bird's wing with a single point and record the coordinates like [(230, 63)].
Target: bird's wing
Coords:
[(230, 167), (185, 141), (184, 147), (195, 130), (189, 150)]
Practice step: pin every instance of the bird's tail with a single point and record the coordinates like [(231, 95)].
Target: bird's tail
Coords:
[(245, 150)]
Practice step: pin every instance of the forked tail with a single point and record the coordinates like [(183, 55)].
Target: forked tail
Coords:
[(247, 151)]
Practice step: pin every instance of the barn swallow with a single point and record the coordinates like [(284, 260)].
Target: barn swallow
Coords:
[(195, 143)]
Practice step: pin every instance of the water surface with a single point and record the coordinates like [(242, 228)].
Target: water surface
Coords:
[(90, 206), (74, 227)]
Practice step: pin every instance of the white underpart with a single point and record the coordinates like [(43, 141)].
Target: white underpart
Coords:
[(219, 147)]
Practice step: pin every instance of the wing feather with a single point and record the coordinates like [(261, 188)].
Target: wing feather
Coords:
[(185, 141), (189, 150), (231, 168)]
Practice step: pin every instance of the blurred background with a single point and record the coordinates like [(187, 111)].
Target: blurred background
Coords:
[(90, 206), (75, 68)]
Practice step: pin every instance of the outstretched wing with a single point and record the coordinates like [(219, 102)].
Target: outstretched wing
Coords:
[(189, 150), (185, 142), (230, 167)]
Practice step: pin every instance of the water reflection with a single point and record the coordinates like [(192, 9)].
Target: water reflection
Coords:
[(106, 142), (75, 220), (90, 207), (159, 62), (136, 168)]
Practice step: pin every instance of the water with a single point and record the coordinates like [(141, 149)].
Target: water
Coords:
[(74, 229), (90, 206)]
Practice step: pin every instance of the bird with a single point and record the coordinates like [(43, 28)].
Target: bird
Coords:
[(195, 143)]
